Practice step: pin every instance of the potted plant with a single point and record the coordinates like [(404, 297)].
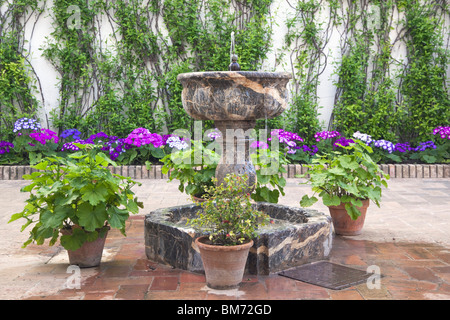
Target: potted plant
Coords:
[(229, 222), (346, 179), (195, 167), (80, 198)]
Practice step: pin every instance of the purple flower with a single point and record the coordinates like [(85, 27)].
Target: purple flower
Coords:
[(71, 132), (311, 150), (142, 136), (288, 138), (384, 144), (213, 135), (425, 145), (342, 142), (285, 136), (116, 148), (176, 142), (44, 136), (101, 136), (25, 123), (5, 147), (324, 135), (165, 137), (71, 146), (291, 151), (402, 147)]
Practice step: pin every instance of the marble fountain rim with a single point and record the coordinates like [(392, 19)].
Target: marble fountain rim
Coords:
[(233, 75), (163, 216), (275, 250)]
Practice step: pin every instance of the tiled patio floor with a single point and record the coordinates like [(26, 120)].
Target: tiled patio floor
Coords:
[(409, 270), (414, 266)]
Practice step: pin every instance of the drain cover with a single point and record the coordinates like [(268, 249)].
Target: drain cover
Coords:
[(327, 274)]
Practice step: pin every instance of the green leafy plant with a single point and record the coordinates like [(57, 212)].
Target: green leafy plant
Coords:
[(193, 168), (196, 166), (76, 191), (269, 169), (345, 177), (228, 216)]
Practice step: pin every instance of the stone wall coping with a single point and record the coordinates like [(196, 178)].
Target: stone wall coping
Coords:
[(416, 171)]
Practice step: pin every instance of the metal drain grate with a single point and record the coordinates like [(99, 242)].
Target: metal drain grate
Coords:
[(327, 274)]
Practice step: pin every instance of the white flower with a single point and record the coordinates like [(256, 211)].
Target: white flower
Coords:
[(176, 142), (363, 137)]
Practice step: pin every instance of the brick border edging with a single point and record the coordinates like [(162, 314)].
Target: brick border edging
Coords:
[(141, 172)]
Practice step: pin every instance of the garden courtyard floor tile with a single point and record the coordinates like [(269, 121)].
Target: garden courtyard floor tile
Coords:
[(406, 240)]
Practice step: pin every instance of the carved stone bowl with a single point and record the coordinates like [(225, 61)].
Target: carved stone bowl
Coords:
[(234, 95)]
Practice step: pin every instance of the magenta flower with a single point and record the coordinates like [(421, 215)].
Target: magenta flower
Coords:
[(259, 144), (44, 136), (443, 132), (324, 135), (141, 136)]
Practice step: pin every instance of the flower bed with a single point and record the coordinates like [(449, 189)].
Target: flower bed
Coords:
[(140, 152)]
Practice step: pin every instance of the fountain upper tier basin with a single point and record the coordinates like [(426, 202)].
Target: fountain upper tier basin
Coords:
[(234, 95)]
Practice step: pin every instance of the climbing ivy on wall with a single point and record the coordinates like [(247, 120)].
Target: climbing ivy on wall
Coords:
[(304, 46), (371, 97), (117, 61), (133, 82), (366, 94), (424, 91), (17, 85)]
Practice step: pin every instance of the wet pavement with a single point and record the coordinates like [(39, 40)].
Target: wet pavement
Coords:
[(406, 240)]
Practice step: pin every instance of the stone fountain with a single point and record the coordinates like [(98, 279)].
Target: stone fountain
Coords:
[(235, 100)]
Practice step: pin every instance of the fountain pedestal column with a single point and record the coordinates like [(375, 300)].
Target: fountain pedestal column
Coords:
[(236, 151)]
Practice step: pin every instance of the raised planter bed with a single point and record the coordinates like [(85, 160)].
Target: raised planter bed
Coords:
[(141, 172)]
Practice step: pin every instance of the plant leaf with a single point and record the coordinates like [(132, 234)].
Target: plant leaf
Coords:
[(352, 211), (331, 200), (75, 240), (54, 219), (117, 217), (91, 217), (94, 193), (307, 201)]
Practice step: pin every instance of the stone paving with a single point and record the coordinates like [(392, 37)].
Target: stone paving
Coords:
[(407, 239)]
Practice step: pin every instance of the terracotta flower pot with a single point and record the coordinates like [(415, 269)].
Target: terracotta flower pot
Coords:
[(343, 223), (198, 199), (90, 253), (224, 265)]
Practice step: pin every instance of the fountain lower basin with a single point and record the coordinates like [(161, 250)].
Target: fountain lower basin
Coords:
[(296, 237)]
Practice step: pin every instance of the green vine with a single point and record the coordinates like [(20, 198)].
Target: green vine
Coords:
[(17, 86), (133, 84), (370, 96), (305, 42), (117, 62), (366, 95), (424, 91)]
